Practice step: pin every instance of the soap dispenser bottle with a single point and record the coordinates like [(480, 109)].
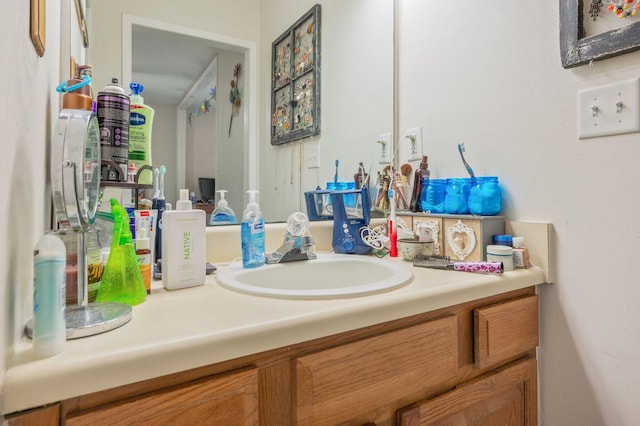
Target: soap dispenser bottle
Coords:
[(183, 245), (222, 214), (121, 280), (252, 234)]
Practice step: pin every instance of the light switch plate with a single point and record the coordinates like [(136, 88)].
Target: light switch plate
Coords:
[(384, 148), (612, 109), (313, 157), (411, 146)]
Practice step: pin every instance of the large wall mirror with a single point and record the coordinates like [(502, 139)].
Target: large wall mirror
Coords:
[(196, 44)]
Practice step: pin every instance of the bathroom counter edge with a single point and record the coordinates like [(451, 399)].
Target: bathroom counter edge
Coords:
[(174, 331)]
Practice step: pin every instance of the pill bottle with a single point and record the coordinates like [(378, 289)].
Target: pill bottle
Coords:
[(520, 254), (504, 254)]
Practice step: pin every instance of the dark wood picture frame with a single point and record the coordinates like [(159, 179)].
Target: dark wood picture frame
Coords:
[(576, 49), (295, 80)]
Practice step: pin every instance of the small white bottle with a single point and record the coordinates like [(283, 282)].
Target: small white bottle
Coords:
[(252, 234), (222, 214), (183, 245), (49, 296)]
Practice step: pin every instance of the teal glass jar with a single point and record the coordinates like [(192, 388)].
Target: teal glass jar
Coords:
[(456, 199), (432, 196), (485, 197)]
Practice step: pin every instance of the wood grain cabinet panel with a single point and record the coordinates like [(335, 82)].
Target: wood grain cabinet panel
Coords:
[(505, 330), (339, 384), (230, 399), (505, 397), (42, 416)]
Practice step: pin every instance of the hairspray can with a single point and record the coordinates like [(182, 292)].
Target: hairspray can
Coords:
[(113, 119)]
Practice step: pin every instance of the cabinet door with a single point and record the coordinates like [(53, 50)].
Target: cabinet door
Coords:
[(43, 416), (505, 397), (230, 399), (505, 331), (347, 382)]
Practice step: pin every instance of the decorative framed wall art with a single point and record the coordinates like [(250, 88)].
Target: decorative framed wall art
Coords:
[(295, 80), (578, 49)]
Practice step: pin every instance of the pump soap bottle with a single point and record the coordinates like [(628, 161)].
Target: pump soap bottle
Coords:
[(252, 234), (140, 125), (183, 245), (222, 214)]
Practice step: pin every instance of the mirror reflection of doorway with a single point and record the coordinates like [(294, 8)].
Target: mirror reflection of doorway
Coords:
[(180, 70)]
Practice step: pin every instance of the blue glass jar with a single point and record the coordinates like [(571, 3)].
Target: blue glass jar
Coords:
[(485, 197), (432, 195), (456, 199)]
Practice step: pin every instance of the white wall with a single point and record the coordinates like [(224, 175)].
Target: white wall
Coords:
[(493, 79), (356, 98), (201, 149), (28, 106), (490, 78)]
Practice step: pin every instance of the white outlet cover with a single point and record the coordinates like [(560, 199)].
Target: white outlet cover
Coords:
[(612, 109)]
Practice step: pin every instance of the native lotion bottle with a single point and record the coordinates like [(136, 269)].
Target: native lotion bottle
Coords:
[(183, 245)]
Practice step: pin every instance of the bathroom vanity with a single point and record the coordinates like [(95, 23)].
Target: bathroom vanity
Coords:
[(449, 344)]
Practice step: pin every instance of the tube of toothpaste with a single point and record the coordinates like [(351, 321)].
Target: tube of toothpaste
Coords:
[(148, 219)]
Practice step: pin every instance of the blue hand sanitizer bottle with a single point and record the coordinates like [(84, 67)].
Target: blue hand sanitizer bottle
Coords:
[(252, 234)]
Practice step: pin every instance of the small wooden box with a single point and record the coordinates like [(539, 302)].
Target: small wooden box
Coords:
[(461, 237)]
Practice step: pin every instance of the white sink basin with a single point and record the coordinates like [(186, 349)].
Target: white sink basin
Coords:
[(330, 276)]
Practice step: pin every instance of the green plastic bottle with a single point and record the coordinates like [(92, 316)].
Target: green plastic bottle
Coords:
[(121, 280)]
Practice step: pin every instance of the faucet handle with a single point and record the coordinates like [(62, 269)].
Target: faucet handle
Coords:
[(297, 224)]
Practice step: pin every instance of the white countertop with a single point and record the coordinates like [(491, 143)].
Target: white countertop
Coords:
[(173, 331)]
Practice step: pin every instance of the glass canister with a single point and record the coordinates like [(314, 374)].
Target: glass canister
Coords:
[(456, 200), (432, 196), (485, 197)]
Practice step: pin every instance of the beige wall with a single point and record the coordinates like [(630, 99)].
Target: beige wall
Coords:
[(493, 79), (356, 100), (28, 108)]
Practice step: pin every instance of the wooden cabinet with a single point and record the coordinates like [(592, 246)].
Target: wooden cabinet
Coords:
[(41, 416), (507, 396), (229, 399), (473, 363), (340, 384)]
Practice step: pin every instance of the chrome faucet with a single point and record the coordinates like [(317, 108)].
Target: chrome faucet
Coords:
[(297, 245)]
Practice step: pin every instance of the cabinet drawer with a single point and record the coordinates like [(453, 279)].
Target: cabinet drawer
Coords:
[(507, 396), (505, 330), (341, 383), (230, 399)]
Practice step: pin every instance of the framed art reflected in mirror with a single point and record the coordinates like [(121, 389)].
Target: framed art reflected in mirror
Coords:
[(295, 80), (579, 47)]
